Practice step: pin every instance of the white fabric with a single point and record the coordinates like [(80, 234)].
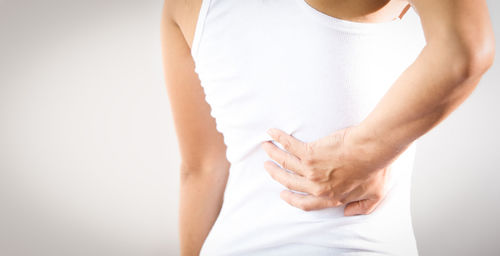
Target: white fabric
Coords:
[(283, 64)]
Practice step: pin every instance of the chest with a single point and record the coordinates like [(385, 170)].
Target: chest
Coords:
[(366, 11)]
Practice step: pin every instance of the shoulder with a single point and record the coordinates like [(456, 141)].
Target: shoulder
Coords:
[(184, 13)]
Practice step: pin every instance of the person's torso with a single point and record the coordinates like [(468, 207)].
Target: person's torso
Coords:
[(284, 64)]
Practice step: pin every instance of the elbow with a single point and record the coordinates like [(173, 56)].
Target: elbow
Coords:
[(475, 60), (208, 168)]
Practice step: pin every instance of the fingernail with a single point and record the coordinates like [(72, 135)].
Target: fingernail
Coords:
[(271, 131)]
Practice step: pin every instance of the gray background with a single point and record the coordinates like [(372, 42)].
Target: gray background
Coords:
[(88, 154)]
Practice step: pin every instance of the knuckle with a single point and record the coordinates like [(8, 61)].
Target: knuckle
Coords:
[(284, 163), (305, 207), (365, 211), (308, 157), (343, 200), (309, 150), (378, 194), (318, 191), (332, 203), (308, 160), (338, 137), (363, 207), (286, 145), (314, 176), (288, 160), (279, 137), (310, 174), (287, 184)]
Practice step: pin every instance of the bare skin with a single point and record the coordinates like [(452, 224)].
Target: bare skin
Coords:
[(459, 50), (361, 10)]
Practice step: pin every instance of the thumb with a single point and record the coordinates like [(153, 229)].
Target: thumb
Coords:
[(365, 206)]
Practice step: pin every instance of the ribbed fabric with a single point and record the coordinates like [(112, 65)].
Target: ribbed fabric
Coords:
[(283, 64)]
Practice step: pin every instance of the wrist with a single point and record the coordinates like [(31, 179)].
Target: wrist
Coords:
[(370, 147)]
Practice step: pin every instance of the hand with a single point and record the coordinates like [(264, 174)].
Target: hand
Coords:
[(333, 170)]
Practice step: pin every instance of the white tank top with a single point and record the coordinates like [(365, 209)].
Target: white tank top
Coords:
[(284, 64)]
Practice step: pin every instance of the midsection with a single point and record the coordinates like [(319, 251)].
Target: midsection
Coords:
[(256, 217)]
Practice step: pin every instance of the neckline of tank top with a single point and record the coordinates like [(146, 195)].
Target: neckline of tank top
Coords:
[(353, 26)]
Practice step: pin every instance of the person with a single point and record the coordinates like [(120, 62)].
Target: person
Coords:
[(297, 120)]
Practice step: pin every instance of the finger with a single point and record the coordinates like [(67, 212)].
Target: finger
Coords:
[(363, 207), (373, 188), (356, 194), (285, 159), (289, 180), (307, 202), (290, 143)]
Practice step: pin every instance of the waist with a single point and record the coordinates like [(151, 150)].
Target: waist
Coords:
[(250, 186), (253, 217)]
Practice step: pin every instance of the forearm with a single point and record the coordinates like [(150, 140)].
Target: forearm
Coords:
[(432, 87), (201, 194)]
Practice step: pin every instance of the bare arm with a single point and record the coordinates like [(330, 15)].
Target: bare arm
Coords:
[(459, 50), (204, 167)]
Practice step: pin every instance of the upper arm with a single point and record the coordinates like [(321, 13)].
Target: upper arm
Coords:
[(463, 26), (201, 145)]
